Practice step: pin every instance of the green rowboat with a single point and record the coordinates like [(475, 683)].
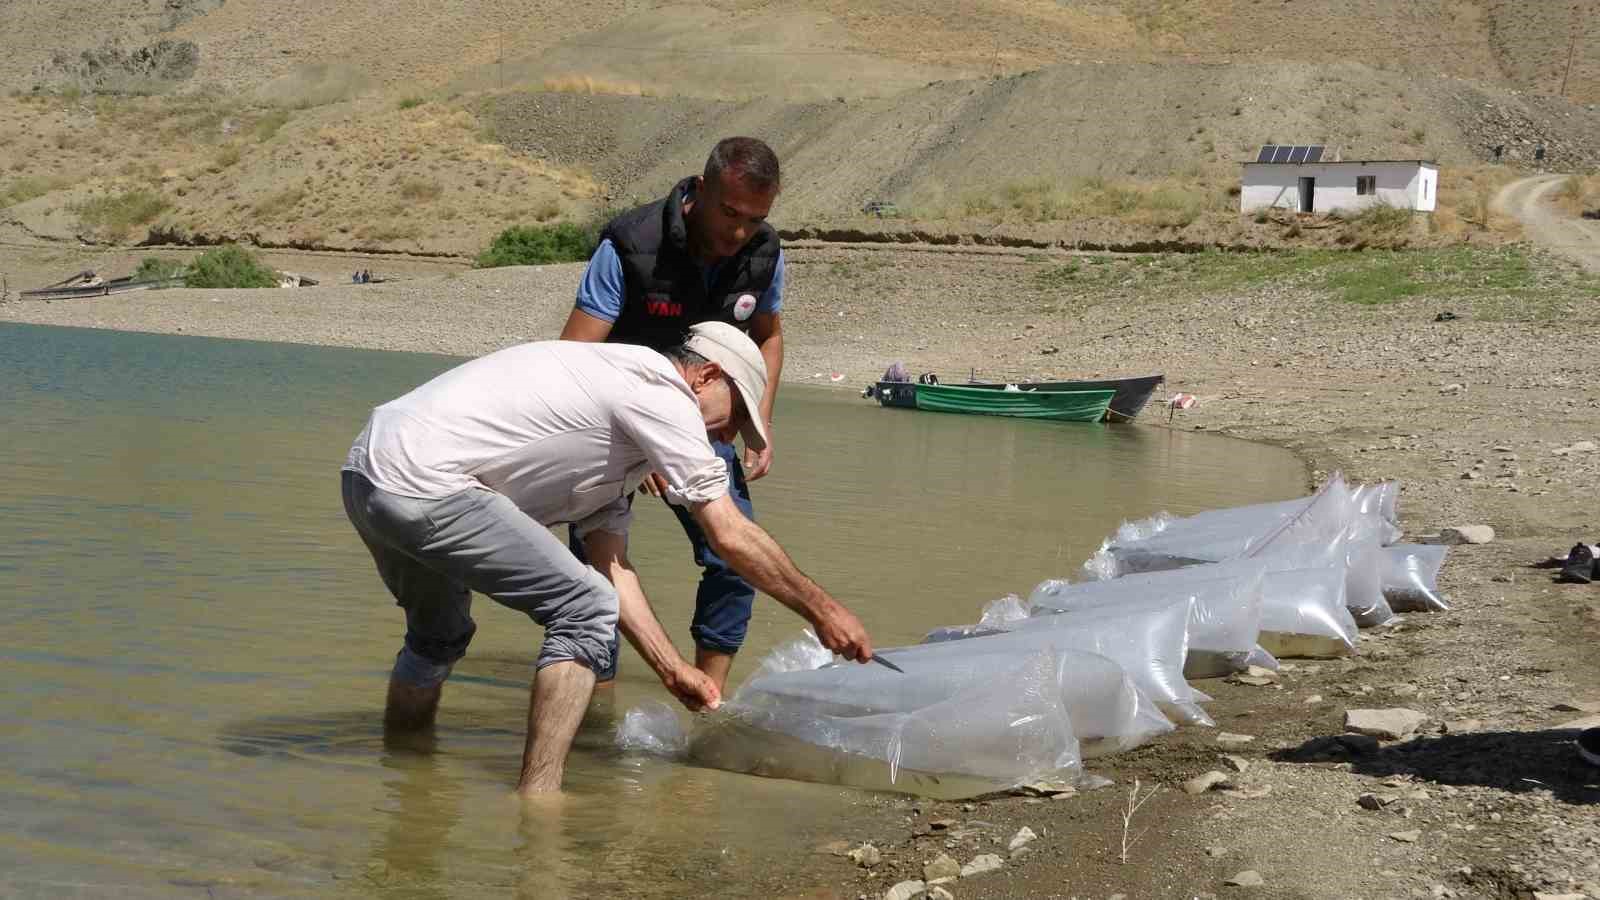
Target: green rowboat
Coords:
[(1060, 406)]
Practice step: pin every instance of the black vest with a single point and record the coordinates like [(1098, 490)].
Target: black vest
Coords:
[(664, 290)]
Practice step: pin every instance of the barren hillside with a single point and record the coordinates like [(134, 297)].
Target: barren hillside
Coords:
[(429, 126), (759, 47)]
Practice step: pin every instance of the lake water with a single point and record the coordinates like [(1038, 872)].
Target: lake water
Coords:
[(196, 644)]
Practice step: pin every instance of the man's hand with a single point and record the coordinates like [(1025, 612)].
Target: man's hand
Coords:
[(840, 631), (654, 485), (757, 462), (693, 688)]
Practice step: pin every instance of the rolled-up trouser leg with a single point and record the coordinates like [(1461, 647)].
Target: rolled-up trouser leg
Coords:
[(484, 541), (438, 608), (477, 540)]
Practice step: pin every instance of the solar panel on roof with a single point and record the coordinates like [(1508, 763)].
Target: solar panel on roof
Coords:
[(1282, 155), (1266, 153), (1314, 154), (1298, 154)]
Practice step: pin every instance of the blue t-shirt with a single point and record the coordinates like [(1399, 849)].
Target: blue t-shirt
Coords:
[(600, 294)]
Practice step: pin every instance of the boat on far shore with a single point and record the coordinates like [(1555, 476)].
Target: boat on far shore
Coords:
[(1129, 396)]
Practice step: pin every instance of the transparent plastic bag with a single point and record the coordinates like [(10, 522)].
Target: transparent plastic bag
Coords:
[(652, 727), (1304, 615), (1225, 611), (999, 615), (937, 735), (1361, 512), (1107, 710), (1377, 504), (1410, 577), (1149, 643)]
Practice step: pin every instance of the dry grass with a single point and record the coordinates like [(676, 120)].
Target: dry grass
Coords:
[(1164, 203), (1378, 225), (280, 203), (1578, 194), (1465, 196), (30, 186), (115, 216), (420, 190), (585, 84), (207, 165)]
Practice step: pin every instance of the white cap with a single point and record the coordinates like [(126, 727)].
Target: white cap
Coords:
[(741, 360)]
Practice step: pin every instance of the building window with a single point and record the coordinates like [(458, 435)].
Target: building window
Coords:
[(1366, 185)]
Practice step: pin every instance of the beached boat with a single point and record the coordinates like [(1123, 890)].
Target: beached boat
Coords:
[(1130, 395), (1061, 406)]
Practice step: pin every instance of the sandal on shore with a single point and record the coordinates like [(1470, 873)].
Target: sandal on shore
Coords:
[(1579, 567), (1589, 745)]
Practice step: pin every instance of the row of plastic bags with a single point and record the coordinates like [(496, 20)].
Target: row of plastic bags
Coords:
[(1076, 670)]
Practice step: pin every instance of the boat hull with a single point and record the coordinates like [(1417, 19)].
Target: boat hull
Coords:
[(1130, 397), (1058, 406)]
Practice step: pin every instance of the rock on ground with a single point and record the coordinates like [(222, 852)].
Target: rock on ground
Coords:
[(1467, 534), (983, 862), (943, 866), (905, 890), (1204, 782), (1247, 878), (1390, 724)]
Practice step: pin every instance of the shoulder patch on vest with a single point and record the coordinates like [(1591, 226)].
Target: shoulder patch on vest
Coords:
[(744, 307)]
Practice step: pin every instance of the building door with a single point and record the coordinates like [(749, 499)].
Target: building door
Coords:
[(1308, 192)]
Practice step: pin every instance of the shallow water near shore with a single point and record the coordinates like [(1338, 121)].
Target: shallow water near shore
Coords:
[(198, 643)]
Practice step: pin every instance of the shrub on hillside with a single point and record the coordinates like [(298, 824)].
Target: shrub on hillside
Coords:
[(533, 245), (154, 268), (117, 214), (230, 266)]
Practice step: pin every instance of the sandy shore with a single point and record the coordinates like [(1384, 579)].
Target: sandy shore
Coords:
[(1502, 805)]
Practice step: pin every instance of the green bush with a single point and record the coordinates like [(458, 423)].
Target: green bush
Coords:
[(266, 127), (154, 268), (230, 266), (412, 102), (118, 214), (533, 245)]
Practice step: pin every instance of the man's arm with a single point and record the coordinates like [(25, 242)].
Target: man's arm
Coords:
[(607, 552), (753, 553), (583, 327), (600, 297), (766, 329)]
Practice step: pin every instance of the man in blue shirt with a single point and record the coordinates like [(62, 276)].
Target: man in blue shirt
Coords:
[(703, 253)]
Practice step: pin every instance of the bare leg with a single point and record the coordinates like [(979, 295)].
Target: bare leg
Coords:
[(410, 708), (561, 692), (715, 664)]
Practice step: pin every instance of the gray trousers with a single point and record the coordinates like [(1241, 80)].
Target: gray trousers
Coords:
[(432, 554)]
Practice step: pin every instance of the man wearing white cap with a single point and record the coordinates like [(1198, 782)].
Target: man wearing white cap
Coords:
[(452, 487)]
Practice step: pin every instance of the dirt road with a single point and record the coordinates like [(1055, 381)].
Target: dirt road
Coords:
[(1528, 200)]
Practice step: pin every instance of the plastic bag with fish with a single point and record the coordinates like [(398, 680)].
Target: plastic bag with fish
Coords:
[(1224, 616), (863, 726), (1150, 643)]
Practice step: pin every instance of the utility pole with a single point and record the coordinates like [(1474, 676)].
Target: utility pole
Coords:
[(1571, 46)]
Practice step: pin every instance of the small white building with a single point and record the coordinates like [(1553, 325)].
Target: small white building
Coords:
[(1303, 178)]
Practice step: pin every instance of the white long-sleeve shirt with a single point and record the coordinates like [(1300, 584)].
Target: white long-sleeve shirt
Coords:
[(565, 429)]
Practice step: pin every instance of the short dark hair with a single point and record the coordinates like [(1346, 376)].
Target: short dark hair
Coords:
[(683, 355), (749, 158)]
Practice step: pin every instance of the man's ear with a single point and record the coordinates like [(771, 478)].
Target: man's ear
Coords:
[(710, 373)]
